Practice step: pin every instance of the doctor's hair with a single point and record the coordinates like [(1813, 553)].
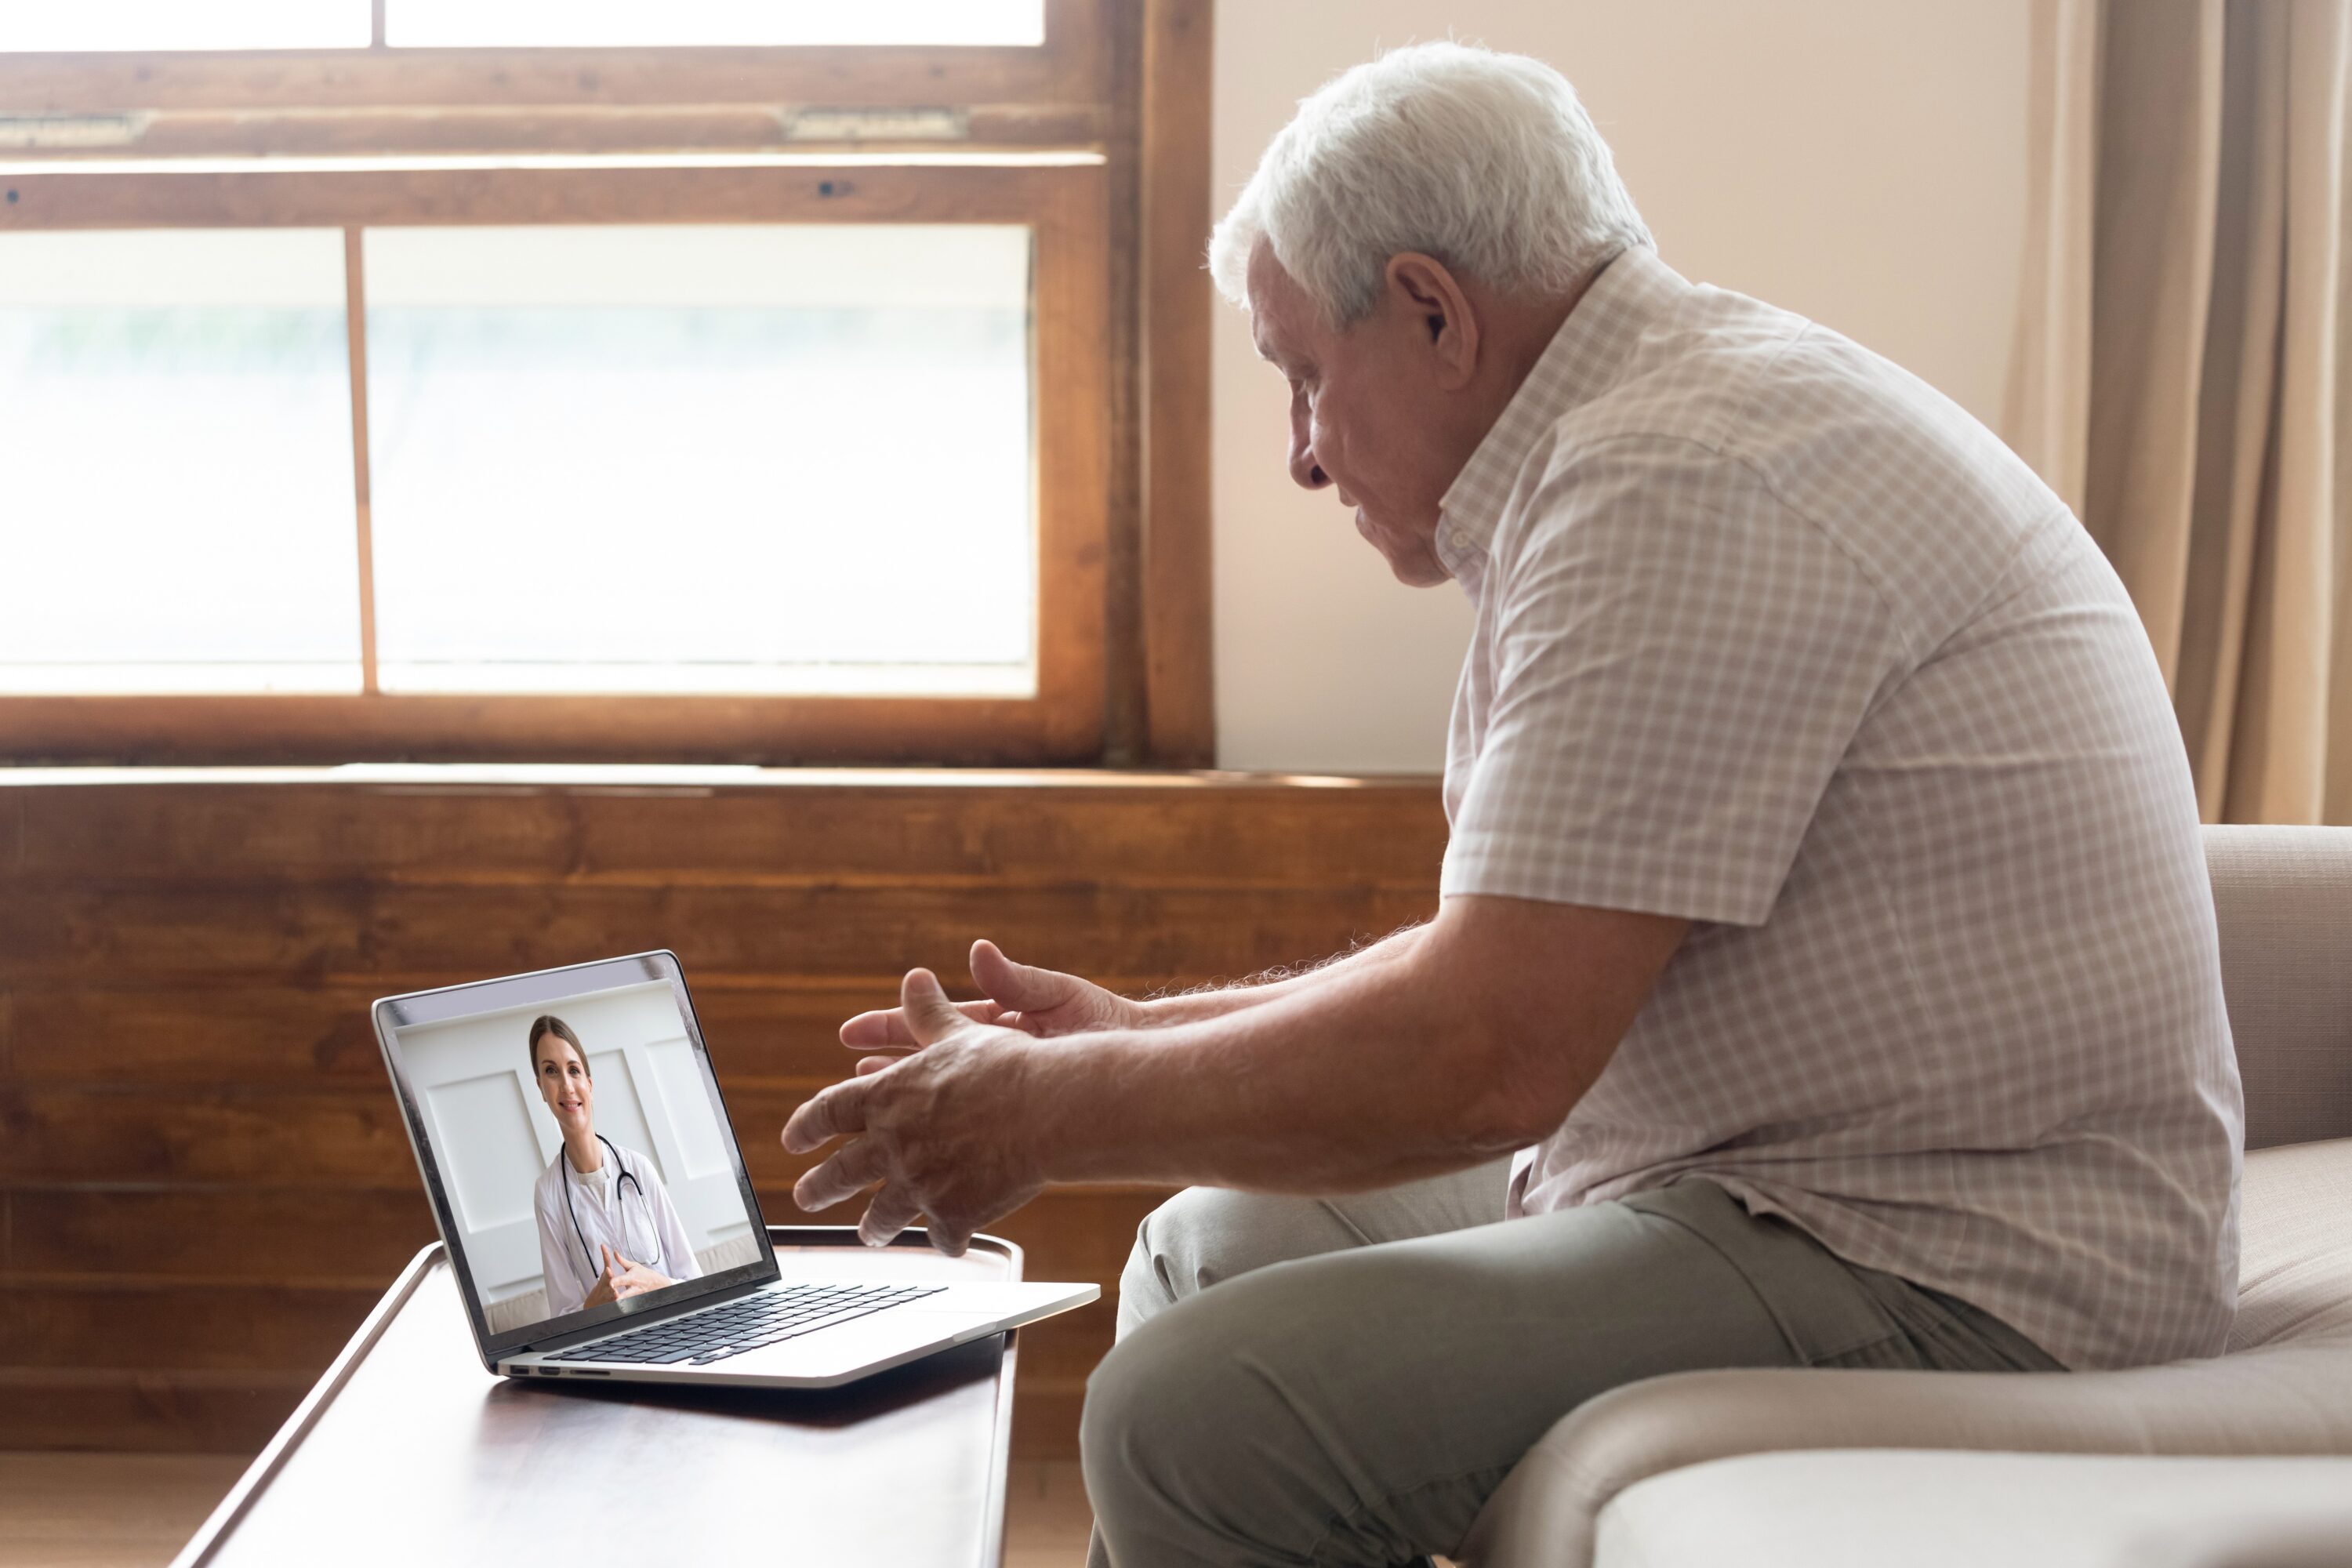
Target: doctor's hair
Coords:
[(548, 1023)]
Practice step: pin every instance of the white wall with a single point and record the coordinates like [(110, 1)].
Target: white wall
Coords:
[(1862, 162)]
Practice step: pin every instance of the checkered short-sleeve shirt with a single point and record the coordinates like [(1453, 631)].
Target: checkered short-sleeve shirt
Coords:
[(1773, 637)]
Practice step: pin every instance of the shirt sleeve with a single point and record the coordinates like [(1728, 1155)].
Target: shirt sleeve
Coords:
[(1680, 663)]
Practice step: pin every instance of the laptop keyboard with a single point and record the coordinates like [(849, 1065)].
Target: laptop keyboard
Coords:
[(746, 1324)]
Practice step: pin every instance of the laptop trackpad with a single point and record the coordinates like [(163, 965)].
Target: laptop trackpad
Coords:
[(863, 1341)]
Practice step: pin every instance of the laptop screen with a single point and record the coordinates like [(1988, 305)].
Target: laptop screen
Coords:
[(571, 1135)]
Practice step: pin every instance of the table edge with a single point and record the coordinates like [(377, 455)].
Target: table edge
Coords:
[(217, 1525)]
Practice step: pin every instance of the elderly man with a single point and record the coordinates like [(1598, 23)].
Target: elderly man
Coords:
[(1824, 933)]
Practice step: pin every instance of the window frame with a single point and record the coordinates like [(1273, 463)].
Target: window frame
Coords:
[(1061, 201), (1097, 138), (1031, 91)]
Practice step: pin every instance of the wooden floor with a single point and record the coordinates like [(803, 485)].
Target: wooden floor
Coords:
[(1046, 1515), (134, 1510)]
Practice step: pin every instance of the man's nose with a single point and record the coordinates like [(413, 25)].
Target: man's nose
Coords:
[(1305, 471)]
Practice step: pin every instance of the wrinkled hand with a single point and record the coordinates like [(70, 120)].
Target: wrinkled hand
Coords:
[(940, 1129), (1040, 1002), (621, 1278)]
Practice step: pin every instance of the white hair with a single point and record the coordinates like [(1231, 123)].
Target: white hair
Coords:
[(1484, 161)]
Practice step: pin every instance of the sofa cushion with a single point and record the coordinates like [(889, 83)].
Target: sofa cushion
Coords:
[(2294, 1272), (2283, 902), (2290, 1394), (1869, 1508)]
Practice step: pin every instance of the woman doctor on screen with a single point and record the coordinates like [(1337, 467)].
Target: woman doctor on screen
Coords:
[(607, 1228)]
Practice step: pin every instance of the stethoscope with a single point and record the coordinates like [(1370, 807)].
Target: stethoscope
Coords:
[(621, 1184)]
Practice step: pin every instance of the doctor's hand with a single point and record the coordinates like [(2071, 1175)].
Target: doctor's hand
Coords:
[(940, 1128), (1040, 1002), (621, 1278)]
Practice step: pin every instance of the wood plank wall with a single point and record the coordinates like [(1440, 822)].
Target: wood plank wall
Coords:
[(204, 1182)]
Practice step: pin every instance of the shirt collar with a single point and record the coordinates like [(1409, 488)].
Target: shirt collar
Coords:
[(1583, 360)]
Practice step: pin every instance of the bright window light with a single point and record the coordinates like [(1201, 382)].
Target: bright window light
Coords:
[(27, 25), (175, 416), (426, 24), (733, 459)]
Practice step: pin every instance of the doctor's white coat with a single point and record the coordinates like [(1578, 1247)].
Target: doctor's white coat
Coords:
[(610, 1214)]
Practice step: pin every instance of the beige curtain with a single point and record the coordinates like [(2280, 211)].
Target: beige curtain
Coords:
[(2182, 374)]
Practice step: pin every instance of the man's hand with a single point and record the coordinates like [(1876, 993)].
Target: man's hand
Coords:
[(621, 1278), (1039, 1002), (942, 1129)]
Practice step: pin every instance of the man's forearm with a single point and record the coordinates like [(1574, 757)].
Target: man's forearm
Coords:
[(1217, 1001), (1360, 1080), (1478, 1037)]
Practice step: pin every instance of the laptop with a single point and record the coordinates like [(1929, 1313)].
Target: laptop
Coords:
[(598, 1216)]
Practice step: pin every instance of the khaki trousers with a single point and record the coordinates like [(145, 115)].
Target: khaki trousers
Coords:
[(1345, 1380)]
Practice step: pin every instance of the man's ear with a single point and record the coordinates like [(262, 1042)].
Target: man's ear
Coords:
[(1425, 289)]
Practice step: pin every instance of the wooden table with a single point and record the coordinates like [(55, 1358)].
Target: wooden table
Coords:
[(408, 1452)]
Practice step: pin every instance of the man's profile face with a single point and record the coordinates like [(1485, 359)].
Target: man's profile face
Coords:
[(1359, 407)]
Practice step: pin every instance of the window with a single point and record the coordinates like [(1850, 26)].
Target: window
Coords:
[(150, 25), (477, 23), (623, 457), (163, 392), (581, 380), (147, 25)]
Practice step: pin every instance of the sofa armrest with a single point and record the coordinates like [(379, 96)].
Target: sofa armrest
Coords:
[(2289, 1399)]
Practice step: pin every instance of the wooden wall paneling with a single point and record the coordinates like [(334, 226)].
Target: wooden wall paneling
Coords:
[(297, 1235), (180, 1410), (784, 187), (176, 1035), (885, 829), (344, 1137), (212, 1325), (539, 129), (1177, 587), (171, 1038), (1071, 311), (199, 1157), (458, 930), (1124, 742)]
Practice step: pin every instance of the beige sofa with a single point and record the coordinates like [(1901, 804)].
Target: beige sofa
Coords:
[(2242, 1460)]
